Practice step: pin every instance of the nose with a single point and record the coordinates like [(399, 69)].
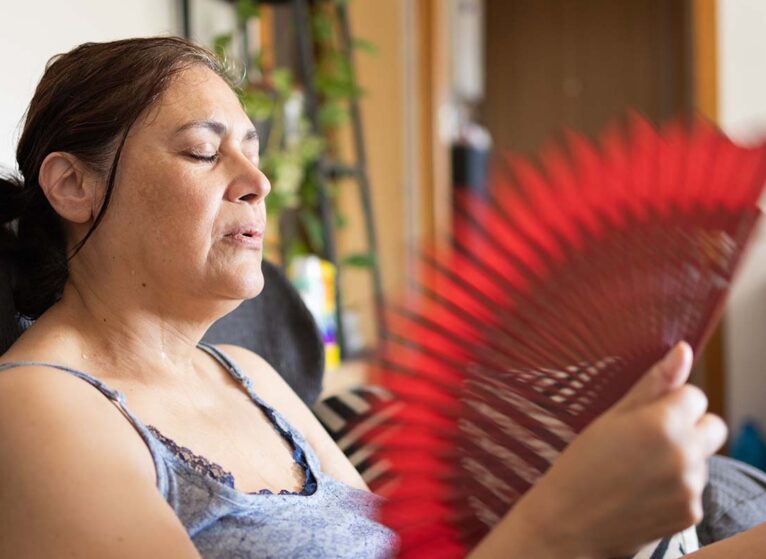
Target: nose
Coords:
[(249, 185)]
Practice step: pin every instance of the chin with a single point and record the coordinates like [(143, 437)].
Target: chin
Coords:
[(237, 282), (248, 286), (255, 291)]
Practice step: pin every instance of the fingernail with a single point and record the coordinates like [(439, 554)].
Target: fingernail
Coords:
[(675, 358)]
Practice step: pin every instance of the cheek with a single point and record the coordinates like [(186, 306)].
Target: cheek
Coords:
[(173, 209)]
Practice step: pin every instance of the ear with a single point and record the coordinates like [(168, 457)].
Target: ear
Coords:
[(69, 186)]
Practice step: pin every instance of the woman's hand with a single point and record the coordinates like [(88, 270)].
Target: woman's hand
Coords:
[(634, 475)]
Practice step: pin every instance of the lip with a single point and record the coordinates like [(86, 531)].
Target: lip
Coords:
[(248, 235)]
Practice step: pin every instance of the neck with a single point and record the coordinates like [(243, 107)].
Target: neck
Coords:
[(130, 336)]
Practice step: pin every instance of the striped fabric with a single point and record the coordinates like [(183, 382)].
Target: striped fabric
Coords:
[(671, 548), (348, 417)]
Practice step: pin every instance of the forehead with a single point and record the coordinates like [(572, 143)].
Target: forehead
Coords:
[(197, 93)]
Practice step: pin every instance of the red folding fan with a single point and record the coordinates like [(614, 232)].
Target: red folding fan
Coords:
[(574, 276)]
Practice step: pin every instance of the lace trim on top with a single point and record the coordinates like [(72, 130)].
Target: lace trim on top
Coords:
[(198, 463), (206, 467)]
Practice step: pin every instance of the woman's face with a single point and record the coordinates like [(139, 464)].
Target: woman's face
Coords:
[(187, 214)]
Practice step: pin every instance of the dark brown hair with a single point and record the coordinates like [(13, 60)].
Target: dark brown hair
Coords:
[(85, 105)]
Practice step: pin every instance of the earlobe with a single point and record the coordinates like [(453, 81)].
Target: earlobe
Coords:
[(63, 182)]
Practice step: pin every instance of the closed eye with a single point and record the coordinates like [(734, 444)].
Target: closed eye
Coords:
[(205, 158)]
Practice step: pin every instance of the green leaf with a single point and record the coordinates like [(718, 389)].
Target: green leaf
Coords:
[(258, 105), (332, 188), (333, 115), (336, 87), (364, 45), (311, 148), (335, 79), (275, 203), (341, 222), (288, 176), (310, 192), (322, 26), (313, 228), (359, 260), (296, 248), (221, 44), (283, 81), (256, 63), (247, 9)]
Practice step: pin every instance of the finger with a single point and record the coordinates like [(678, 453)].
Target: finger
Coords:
[(677, 365), (697, 477), (695, 482), (712, 432), (666, 375), (685, 406)]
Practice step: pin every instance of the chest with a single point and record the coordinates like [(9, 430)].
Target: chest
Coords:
[(223, 426)]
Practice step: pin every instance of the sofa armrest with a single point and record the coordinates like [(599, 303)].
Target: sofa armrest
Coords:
[(734, 500)]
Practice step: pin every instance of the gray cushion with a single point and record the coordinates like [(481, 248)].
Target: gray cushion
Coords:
[(734, 500)]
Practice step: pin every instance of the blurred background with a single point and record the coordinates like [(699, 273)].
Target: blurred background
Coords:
[(372, 112)]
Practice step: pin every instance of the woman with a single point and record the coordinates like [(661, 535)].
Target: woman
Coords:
[(140, 222)]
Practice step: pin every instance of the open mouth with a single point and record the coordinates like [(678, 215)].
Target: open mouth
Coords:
[(243, 235), (248, 231), (248, 235)]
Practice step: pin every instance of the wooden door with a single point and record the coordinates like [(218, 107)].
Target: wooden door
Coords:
[(580, 63)]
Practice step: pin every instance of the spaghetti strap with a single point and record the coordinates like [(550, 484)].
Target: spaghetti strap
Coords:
[(227, 362), (118, 398), (102, 387), (303, 454)]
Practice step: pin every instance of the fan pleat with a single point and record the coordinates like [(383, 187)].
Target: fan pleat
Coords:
[(557, 291)]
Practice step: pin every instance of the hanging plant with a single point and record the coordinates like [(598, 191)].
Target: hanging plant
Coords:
[(291, 152)]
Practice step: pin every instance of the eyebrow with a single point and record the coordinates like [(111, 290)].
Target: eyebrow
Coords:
[(217, 128)]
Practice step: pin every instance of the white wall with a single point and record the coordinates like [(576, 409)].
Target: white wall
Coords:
[(742, 113), (33, 31), (210, 18)]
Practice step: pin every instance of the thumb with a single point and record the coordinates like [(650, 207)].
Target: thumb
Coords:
[(670, 372)]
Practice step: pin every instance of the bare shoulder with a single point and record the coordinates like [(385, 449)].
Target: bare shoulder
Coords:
[(268, 383), (270, 386), (276, 392), (79, 477), (41, 407)]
